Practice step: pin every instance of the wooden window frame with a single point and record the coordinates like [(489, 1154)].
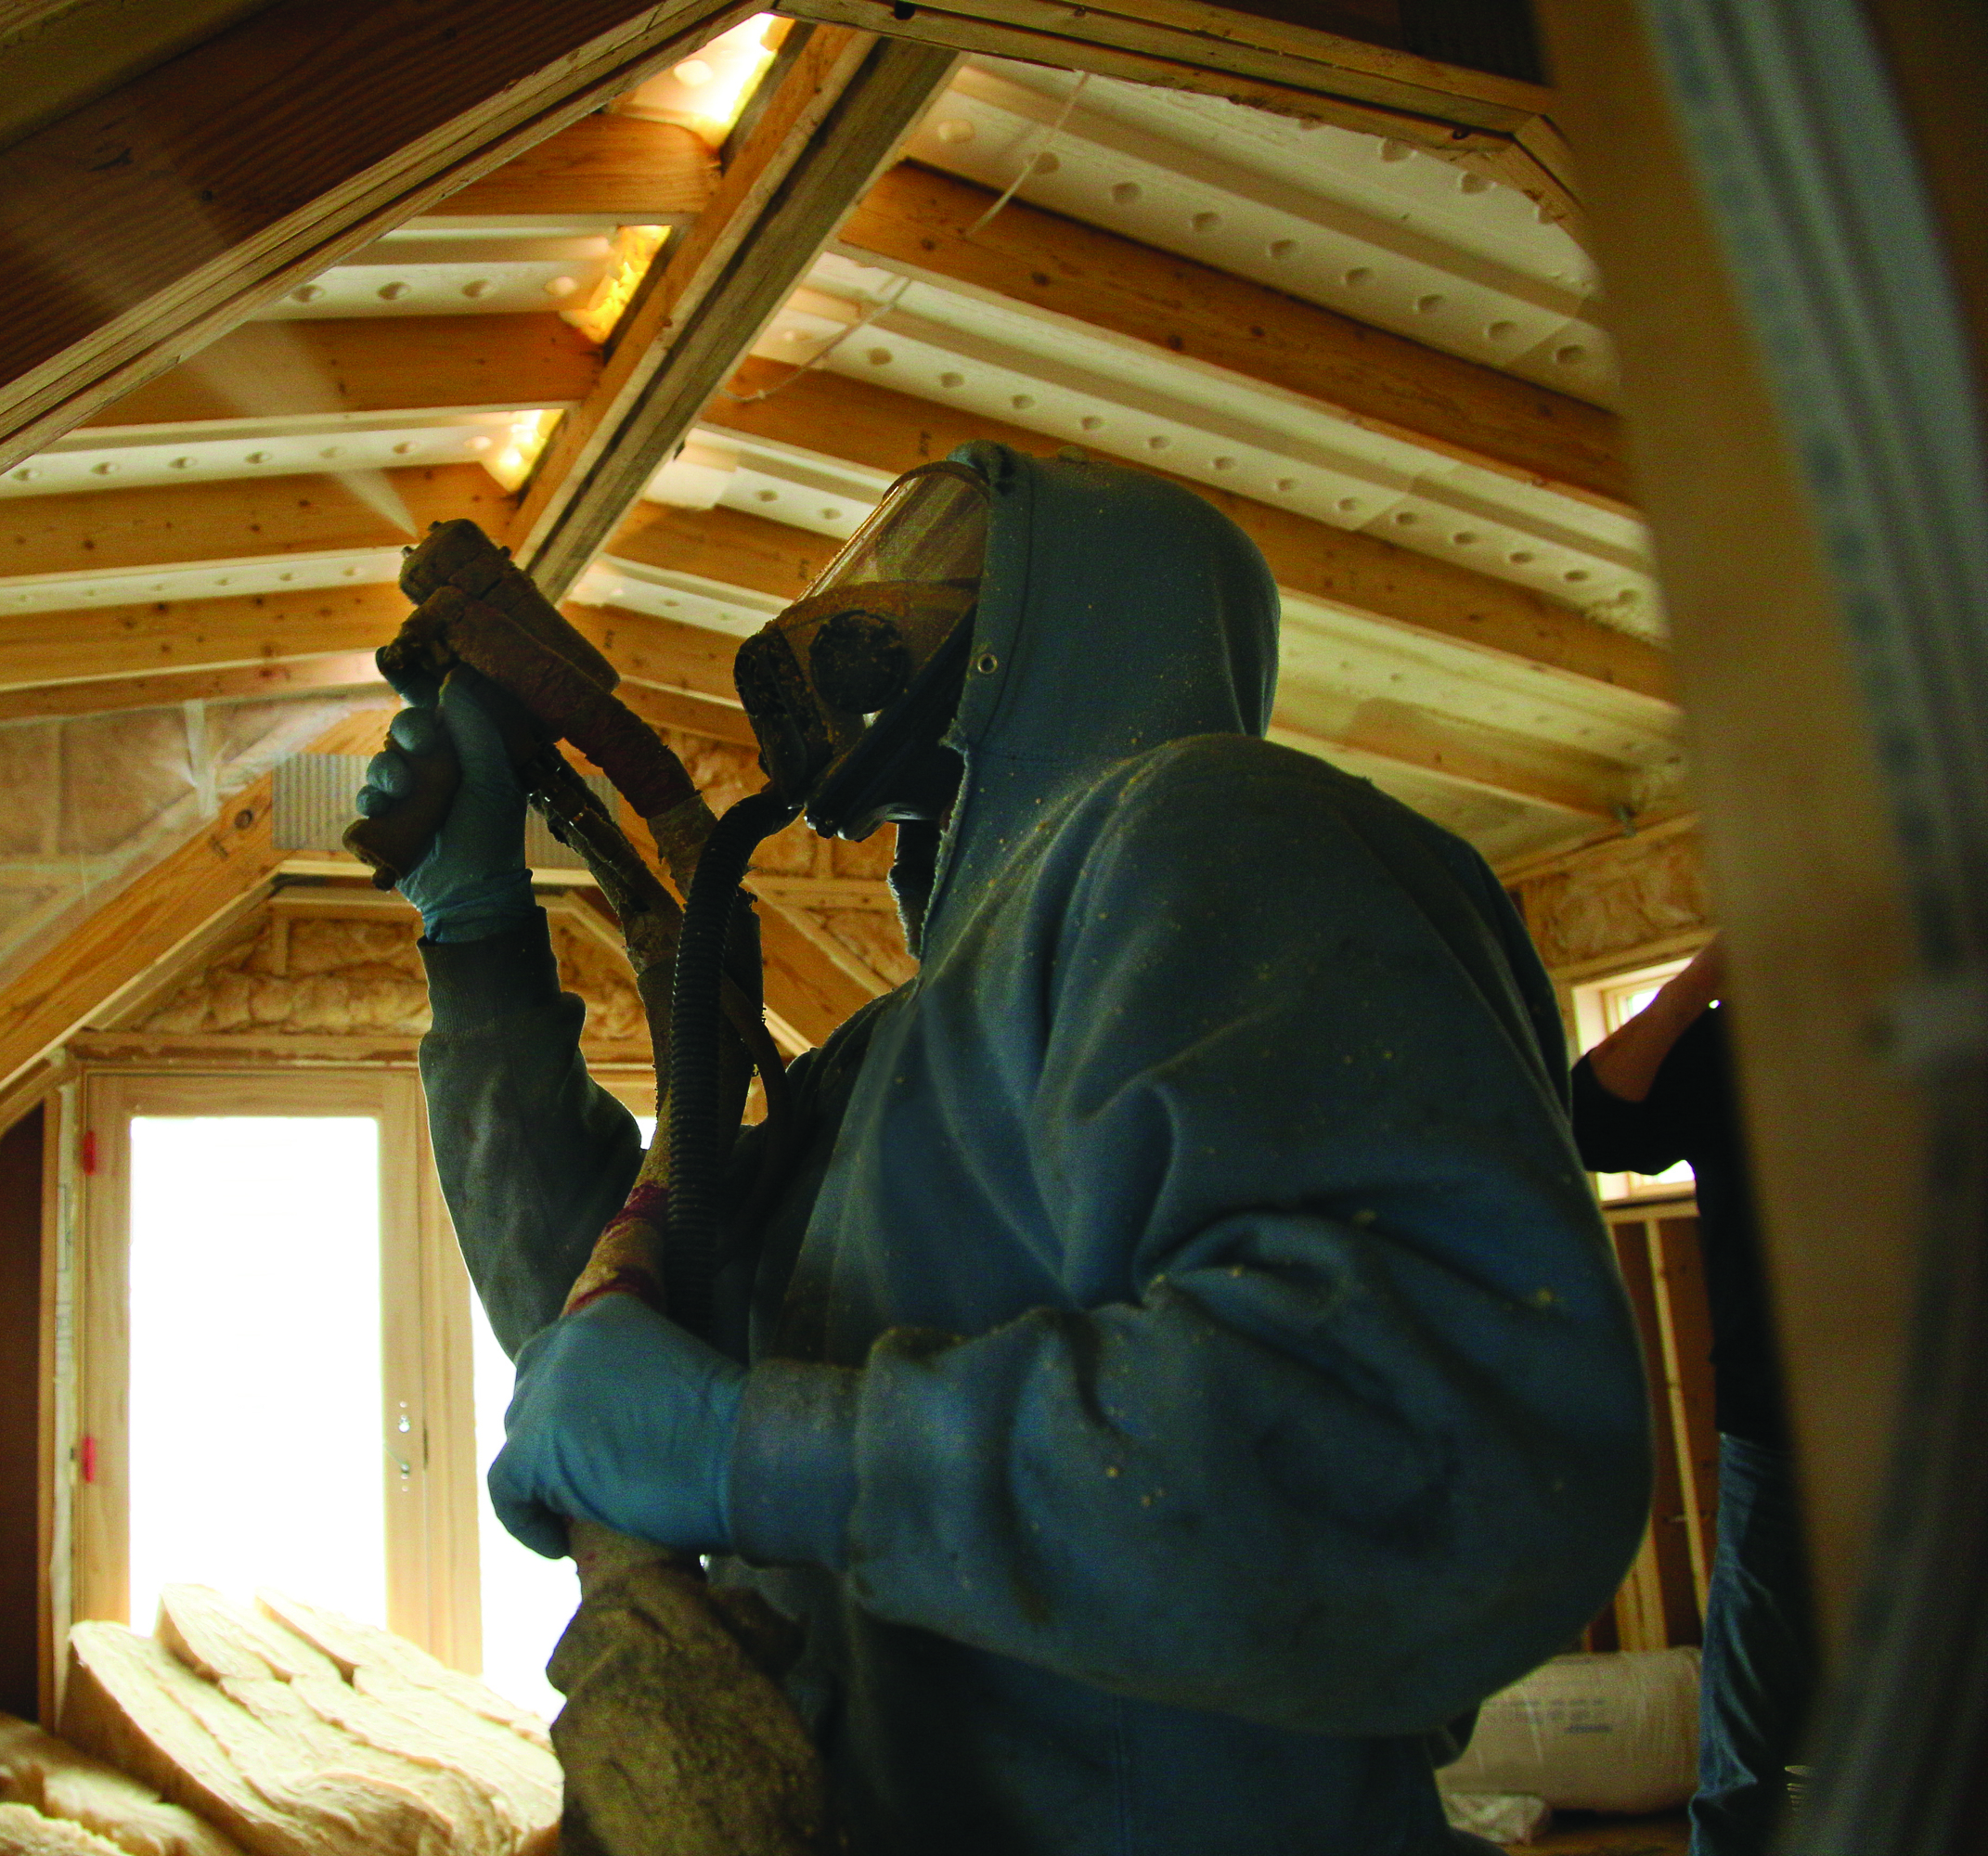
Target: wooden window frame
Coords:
[(434, 1594)]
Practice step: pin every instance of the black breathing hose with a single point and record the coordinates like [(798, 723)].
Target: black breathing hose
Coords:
[(697, 1143)]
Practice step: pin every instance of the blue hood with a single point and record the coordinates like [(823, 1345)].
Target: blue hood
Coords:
[(1078, 663)]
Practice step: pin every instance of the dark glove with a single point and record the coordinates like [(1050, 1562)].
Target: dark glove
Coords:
[(471, 883), (620, 1417)]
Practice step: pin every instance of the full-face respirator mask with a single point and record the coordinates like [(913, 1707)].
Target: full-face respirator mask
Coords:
[(850, 692), (851, 689)]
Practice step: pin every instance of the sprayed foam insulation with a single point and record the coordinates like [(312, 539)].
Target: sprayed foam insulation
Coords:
[(88, 804), (286, 975)]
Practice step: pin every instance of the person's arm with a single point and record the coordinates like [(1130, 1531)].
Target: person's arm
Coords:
[(1338, 1418), (1632, 1112), (534, 1156), (1626, 1061)]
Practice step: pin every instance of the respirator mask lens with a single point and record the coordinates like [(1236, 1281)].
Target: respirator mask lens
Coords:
[(858, 680)]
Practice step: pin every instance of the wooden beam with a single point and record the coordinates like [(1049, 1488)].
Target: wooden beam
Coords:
[(663, 653), (1657, 1606), (190, 635), (105, 530), (1329, 69), (887, 431), (139, 227), (349, 670), (839, 113), (35, 1084), (370, 364), (636, 171), (728, 545), (138, 928), (922, 222), (1481, 760), (694, 662), (810, 988), (717, 721)]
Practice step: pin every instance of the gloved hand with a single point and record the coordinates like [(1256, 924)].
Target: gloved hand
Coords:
[(471, 883), (625, 1418)]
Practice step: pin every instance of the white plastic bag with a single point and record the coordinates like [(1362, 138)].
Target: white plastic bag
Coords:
[(1591, 1733)]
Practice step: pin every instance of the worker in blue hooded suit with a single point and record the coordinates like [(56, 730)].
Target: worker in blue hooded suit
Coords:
[(1184, 1369)]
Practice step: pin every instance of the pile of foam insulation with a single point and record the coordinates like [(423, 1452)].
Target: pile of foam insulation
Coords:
[(286, 1730)]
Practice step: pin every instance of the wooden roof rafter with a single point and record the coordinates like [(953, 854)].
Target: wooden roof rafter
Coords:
[(1498, 126), (139, 227), (923, 223), (893, 432), (655, 651), (837, 114)]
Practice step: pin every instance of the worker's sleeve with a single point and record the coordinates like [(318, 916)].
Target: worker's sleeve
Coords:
[(534, 1156), (1615, 1136), (1361, 1434)]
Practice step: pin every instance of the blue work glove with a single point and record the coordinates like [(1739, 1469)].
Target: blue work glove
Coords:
[(471, 883), (625, 1418)]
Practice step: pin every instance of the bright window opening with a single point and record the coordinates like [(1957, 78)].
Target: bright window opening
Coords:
[(255, 1390), (527, 1601), (1606, 1006)]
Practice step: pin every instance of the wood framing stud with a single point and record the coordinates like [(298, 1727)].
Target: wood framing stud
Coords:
[(843, 107)]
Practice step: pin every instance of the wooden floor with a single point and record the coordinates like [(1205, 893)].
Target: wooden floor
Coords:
[(1577, 1834)]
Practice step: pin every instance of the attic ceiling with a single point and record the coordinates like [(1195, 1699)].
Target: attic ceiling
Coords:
[(1384, 361)]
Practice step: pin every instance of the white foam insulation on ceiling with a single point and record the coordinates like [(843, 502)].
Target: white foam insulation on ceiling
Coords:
[(1125, 399), (1381, 232), (1384, 232), (235, 577), (95, 458), (482, 270), (782, 483), (688, 597)]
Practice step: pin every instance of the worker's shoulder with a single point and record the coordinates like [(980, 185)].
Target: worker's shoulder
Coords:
[(1213, 797), (1227, 776)]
